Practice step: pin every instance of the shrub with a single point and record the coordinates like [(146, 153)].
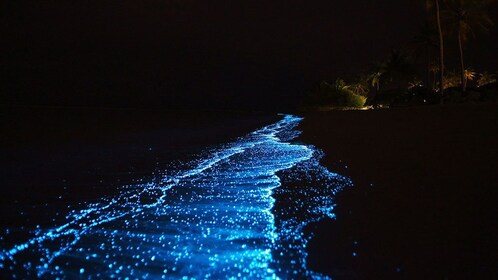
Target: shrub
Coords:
[(486, 79), (338, 95)]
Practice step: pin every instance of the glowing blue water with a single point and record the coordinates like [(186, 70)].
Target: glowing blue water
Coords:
[(214, 220)]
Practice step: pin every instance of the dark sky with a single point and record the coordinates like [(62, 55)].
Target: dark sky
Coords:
[(200, 53)]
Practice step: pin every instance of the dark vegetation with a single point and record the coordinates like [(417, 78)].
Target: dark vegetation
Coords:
[(336, 95), (416, 73)]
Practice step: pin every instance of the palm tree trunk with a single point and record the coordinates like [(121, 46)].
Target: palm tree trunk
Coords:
[(441, 52), (428, 69), (434, 78), (462, 74)]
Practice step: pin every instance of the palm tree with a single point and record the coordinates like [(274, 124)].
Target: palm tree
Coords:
[(469, 75), (465, 17), (425, 44), (397, 67), (434, 69), (436, 4), (374, 79)]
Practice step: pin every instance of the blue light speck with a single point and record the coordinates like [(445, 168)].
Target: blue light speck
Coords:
[(216, 219)]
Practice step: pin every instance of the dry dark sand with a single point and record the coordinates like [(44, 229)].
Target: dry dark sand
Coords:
[(424, 204)]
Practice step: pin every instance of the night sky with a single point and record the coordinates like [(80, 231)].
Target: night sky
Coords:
[(200, 54)]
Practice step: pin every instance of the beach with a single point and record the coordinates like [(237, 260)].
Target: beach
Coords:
[(415, 197), (423, 204)]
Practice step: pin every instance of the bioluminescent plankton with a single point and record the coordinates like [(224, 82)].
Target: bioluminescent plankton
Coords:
[(214, 220)]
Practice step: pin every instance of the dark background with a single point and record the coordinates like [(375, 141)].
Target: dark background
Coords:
[(199, 54)]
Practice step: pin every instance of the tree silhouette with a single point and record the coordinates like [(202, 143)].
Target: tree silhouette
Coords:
[(465, 17), (436, 5), (425, 43), (374, 79), (397, 67)]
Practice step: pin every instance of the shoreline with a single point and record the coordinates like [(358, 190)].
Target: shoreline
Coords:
[(424, 200), (82, 154)]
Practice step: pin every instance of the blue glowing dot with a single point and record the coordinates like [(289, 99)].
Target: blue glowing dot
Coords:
[(214, 217)]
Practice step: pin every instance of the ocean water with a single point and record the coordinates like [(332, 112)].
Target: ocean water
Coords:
[(213, 217)]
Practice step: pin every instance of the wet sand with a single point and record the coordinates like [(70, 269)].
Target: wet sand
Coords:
[(424, 204)]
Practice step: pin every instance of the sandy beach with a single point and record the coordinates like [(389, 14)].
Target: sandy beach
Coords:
[(424, 199)]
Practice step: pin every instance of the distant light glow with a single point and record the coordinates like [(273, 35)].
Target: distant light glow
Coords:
[(217, 219)]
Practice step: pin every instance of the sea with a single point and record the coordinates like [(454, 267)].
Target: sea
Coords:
[(236, 209)]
